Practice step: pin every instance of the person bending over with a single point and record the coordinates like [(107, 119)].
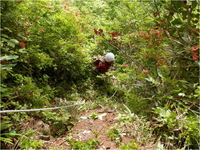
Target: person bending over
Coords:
[(106, 63)]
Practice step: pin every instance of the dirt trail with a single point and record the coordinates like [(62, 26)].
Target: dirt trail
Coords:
[(86, 128)]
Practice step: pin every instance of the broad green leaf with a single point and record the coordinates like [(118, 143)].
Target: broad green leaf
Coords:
[(8, 57), (7, 29), (6, 140), (177, 22), (194, 4), (5, 67), (11, 44), (127, 40), (9, 134), (4, 35), (14, 41), (4, 125), (3, 40), (197, 91), (184, 13), (159, 73), (152, 80)]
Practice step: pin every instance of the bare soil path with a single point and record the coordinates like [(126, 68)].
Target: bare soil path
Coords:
[(97, 121)]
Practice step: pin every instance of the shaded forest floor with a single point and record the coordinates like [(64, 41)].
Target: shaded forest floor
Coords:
[(103, 125)]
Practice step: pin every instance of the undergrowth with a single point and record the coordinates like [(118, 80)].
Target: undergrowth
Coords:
[(46, 56)]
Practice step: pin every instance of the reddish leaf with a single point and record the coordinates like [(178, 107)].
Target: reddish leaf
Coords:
[(3, 62), (22, 44), (195, 57), (125, 65), (145, 54), (48, 6), (100, 30), (145, 71), (195, 48), (155, 14), (95, 31), (64, 6), (195, 21), (185, 2), (27, 32), (157, 24), (41, 29), (20, 1)]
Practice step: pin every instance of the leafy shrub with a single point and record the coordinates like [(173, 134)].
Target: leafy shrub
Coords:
[(6, 136), (46, 49), (26, 141), (132, 145), (43, 55), (90, 144), (51, 43), (114, 134), (178, 129), (59, 121), (28, 93)]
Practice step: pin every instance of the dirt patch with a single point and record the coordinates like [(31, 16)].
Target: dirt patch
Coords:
[(90, 126), (86, 128)]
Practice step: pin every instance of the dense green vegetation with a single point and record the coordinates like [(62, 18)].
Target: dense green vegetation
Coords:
[(46, 55)]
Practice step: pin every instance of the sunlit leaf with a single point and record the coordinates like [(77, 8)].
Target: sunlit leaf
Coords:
[(14, 41), (8, 57), (5, 67)]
